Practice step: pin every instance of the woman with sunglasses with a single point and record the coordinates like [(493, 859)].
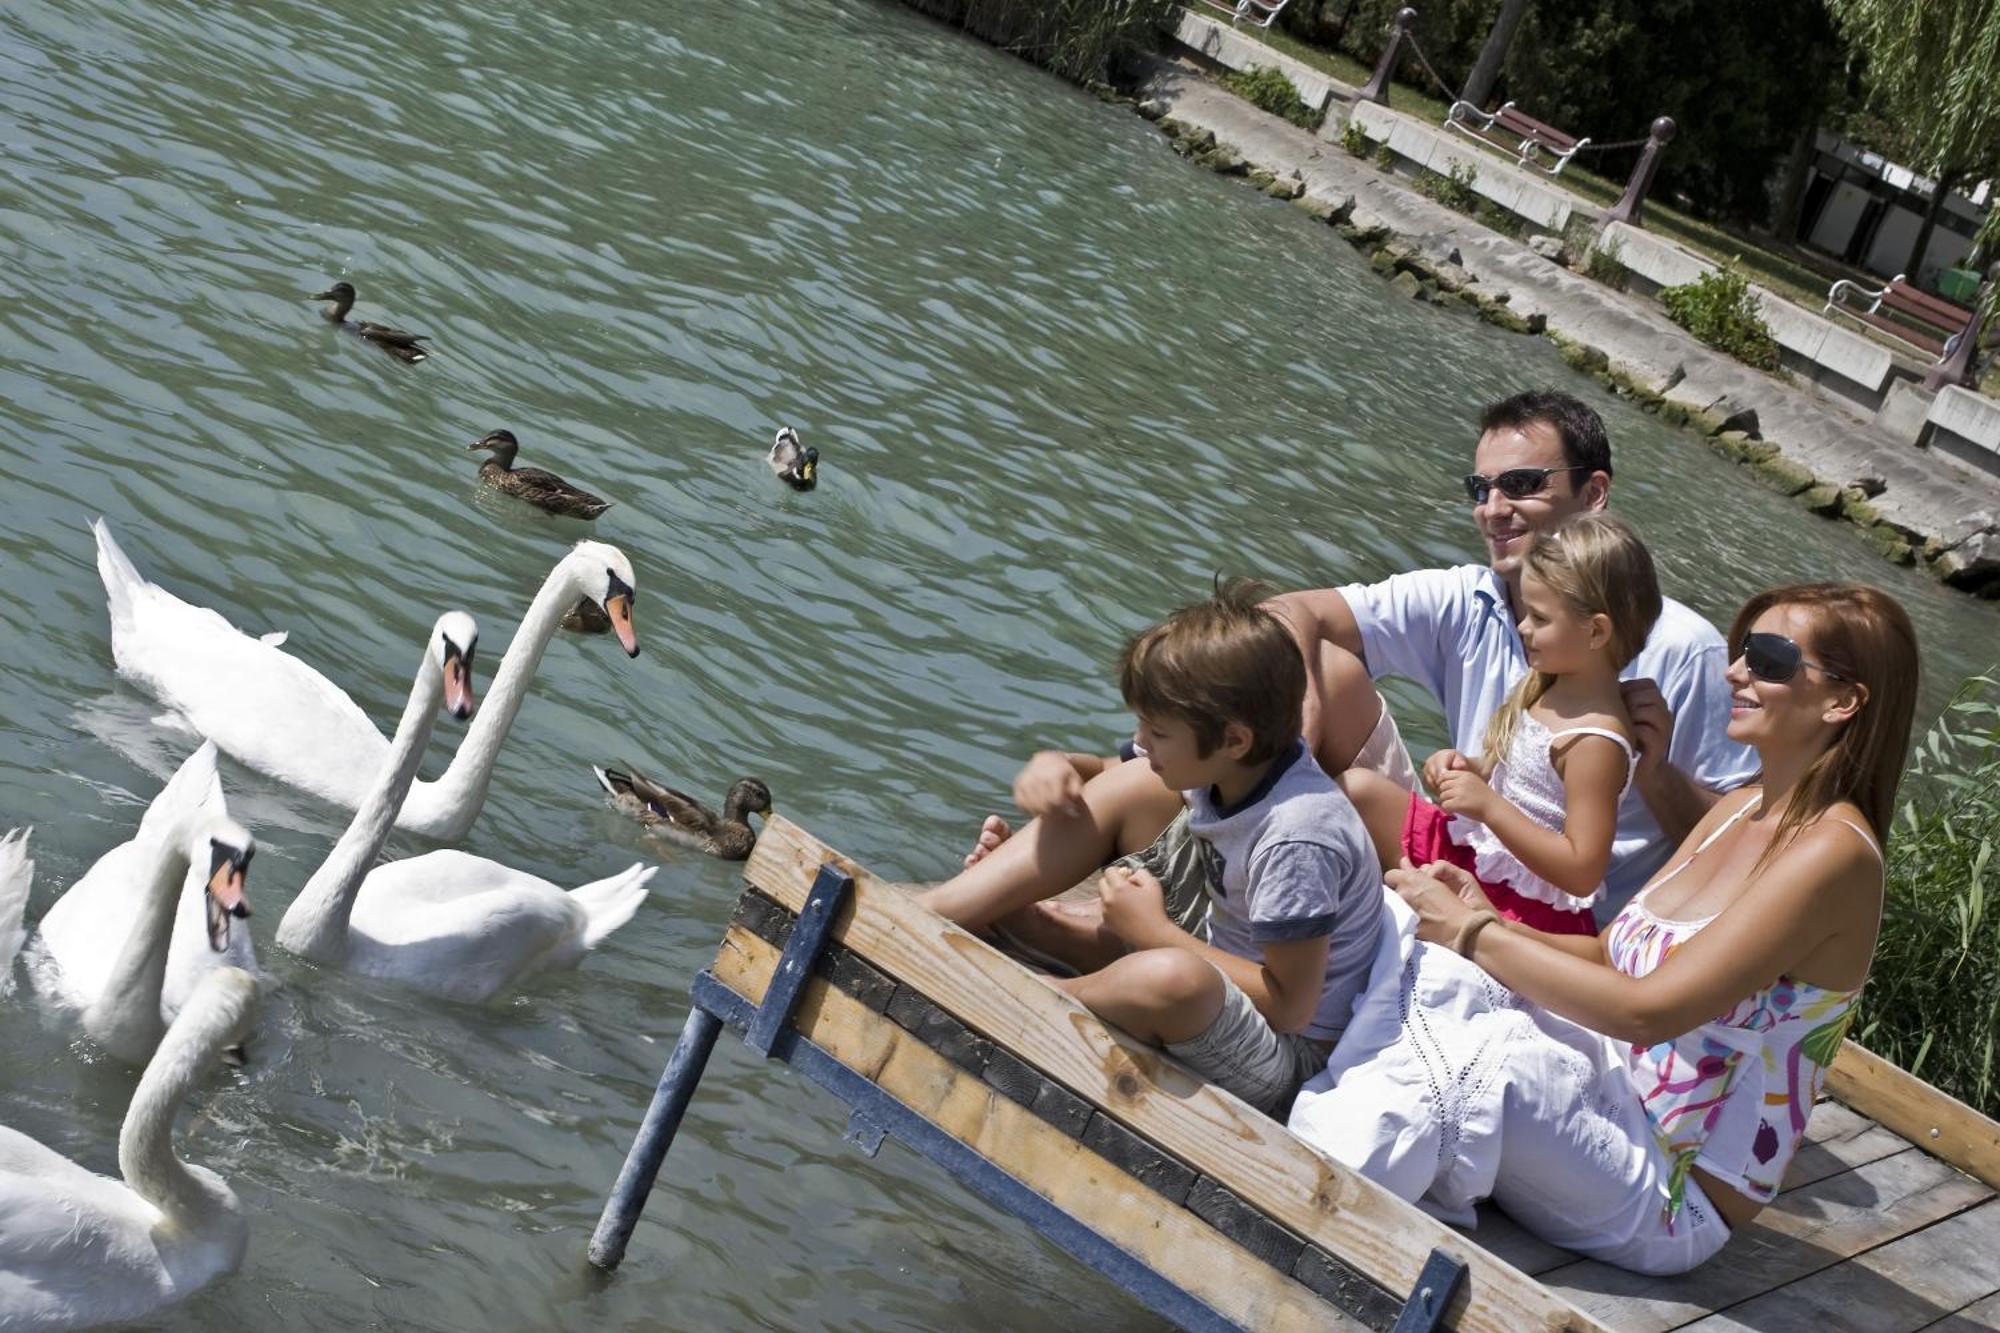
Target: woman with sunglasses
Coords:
[(1638, 1095)]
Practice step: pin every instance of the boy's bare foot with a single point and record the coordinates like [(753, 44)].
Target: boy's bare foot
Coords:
[(991, 834)]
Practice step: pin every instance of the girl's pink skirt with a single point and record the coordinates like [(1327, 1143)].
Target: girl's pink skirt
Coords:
[(1425, 839)]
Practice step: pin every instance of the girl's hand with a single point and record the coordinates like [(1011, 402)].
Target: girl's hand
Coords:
[(1439, 908), (1135, 906), (1440, 763), (1463, 792), (1652, 723), (1048, 786)]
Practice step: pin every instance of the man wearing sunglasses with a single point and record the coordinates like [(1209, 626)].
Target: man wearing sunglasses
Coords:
[(1542, 456)]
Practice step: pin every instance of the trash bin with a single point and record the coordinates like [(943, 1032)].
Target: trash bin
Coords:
[(1958, 284)]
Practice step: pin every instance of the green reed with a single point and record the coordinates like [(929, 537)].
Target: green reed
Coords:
[(1933, 1001), (1082, 40)]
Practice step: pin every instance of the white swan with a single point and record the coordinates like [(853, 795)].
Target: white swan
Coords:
[(451, 924), (281, 717), (108, 946), (77, 1248), (17, 876)]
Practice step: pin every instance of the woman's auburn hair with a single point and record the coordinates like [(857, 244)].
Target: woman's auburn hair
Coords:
[(1863, 636)]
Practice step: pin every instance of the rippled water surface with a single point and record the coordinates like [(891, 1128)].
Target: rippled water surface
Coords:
[(1058, 378)]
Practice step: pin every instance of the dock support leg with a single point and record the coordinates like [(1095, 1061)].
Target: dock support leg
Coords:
[(656, 1135), (1424, 1311)]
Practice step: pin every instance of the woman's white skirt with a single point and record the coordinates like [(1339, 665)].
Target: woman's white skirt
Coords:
[(1447, 1088)]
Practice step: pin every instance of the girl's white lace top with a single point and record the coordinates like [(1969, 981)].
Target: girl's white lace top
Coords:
[(1527, 777)]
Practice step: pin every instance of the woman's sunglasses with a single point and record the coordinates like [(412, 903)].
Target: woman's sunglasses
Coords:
[(1516, 483), (1776, 659)]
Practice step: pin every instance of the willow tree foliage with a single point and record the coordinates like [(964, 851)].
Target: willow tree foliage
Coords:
[(1933, 70)]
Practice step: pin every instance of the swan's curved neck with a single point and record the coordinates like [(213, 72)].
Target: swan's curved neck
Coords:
[(315, 925), (125, 1016), (458, 793), (146, 1144)]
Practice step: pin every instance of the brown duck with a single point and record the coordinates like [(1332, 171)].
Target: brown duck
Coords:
[(680, 818), (544, 490), (403, 346)]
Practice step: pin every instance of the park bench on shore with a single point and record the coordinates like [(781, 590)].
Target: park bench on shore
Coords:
[(1213, 1214), (1514, 131), (1903, 311), (1260, 13)]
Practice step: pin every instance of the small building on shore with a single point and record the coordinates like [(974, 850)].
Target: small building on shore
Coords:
[(1866, 210)]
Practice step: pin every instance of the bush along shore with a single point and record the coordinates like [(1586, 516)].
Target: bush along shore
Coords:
[(1082, 40)]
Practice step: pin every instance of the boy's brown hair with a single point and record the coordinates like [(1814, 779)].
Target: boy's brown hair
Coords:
[(1220, 661)]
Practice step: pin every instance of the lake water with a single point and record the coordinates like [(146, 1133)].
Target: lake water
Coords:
[(1058, 379)]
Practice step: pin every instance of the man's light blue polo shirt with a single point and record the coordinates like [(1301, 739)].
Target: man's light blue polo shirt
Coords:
[(1451, 631)]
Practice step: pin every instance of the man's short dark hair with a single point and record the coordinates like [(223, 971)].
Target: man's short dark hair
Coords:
[(1576, 424)]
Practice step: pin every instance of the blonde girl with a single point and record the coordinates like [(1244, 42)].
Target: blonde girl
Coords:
[(1532, 817)]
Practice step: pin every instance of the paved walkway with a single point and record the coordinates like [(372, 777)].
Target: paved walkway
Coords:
[(1917, 504)]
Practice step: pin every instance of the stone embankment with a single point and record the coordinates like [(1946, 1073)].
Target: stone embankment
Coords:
[(1915, 507)]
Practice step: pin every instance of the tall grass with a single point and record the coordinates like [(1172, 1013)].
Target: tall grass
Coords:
[(1933, 1002), (1082, 40)]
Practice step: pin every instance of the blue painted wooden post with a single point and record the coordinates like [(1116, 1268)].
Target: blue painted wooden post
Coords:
[(823, 901), (656, 1135), (1424, 1311)]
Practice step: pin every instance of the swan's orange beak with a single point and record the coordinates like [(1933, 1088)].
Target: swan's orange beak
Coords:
[(228, 869), (618, 607), (458, 694)]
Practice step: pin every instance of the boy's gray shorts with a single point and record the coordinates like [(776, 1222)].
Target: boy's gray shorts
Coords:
[(1242, 1052), (1181, 862)]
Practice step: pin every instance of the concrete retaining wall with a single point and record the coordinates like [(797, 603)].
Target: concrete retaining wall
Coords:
[(1232, 50), (1843, 360), (1966, 425), (1510, 187)]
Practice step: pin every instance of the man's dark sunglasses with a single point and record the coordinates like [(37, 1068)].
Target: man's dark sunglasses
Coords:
[(1775, 658), (1516, 483)]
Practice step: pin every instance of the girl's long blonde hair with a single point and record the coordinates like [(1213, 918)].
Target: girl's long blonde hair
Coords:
[(1598, 566)]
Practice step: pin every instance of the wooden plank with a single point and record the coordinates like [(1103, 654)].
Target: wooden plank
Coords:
[(1981, 1315), (1900, 1287), (1839, 1138), (1904, 1104), (1212, 1131), (1168, 1239), (1802, 1232), (1504, 1238)]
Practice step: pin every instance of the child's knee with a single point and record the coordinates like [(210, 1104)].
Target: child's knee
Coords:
[(1168, 980)]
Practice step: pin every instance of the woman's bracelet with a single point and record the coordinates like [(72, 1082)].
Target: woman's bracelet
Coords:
[(1468, 931)]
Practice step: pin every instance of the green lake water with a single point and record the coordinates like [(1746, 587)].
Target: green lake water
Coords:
[(1058, 378)]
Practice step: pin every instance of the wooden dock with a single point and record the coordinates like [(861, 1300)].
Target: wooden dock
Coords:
[(1217, 1217)]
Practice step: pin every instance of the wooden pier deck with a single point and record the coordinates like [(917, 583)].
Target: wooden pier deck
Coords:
[(1888, 1221)]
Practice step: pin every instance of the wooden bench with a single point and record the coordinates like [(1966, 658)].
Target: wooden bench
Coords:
[(1921, 320), (1530, 139), (1261, 13)]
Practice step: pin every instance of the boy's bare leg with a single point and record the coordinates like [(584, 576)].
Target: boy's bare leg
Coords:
[(1157, 995), (1383, 806), (1075, 933), (1125, 809)]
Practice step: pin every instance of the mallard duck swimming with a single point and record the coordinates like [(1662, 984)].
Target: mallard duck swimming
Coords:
[(544, 490), (403, 346), (796, 465), (681, 818)]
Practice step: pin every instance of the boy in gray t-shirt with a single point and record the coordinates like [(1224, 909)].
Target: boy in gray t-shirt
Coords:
[(1295, 898)]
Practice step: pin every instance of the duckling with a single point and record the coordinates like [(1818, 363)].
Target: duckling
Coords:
[(403, 346), (544, 490), (586, 617), (796, 465), (680, 818)]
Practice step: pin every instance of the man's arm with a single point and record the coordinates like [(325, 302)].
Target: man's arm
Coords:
[(1317, 616), (1678, 802)]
